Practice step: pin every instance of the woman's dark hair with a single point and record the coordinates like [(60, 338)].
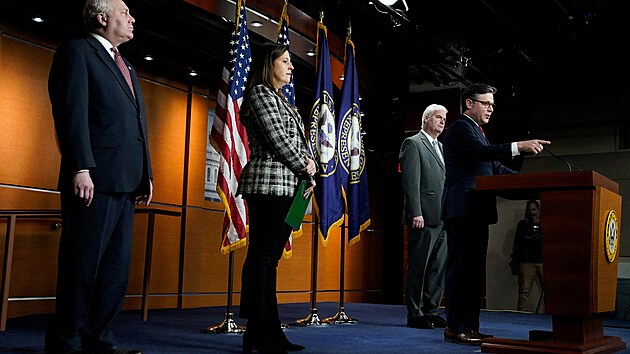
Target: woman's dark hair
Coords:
[(262, 69), (262, 64)]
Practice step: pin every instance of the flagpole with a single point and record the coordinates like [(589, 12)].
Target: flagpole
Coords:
[(313, 318), (341, 317), (228, 325), (229, 138)]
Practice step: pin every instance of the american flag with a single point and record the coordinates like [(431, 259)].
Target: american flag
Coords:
[(228, 135), (289, 92), (283, 37)]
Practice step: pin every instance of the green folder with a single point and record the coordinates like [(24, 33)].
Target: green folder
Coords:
[(298, 207)]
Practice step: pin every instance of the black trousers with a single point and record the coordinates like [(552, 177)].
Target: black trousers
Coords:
[(268, 233), (93, 271), (465, 272)]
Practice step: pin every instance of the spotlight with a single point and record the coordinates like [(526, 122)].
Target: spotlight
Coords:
[(392, 2), (256, 24)]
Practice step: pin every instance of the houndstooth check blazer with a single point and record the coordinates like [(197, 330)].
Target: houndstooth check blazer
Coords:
[(277, 144)]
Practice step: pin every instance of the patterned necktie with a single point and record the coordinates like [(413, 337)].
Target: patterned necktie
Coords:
[(123, 68)]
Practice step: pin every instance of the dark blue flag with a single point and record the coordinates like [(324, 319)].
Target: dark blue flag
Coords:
[(322, 141), (352, 172)]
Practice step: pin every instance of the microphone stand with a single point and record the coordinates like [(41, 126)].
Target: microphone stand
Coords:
[(569, 165)]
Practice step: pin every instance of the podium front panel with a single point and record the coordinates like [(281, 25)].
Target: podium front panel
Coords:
[(567, 228), (605, 273)]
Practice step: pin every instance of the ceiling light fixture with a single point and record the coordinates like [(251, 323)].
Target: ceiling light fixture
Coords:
[(310, 53), (256, 24), (392, 2), (148, 57), (192, 73), (38, 19)]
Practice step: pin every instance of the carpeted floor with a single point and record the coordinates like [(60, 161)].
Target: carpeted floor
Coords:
[(379, 329)]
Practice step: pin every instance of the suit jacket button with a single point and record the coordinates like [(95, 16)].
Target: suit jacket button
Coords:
[(139, 117), (141, 139)]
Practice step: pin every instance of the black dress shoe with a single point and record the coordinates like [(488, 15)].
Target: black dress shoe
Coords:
[(423, 322), (256, 339), (438, 321), (461, 338), (481, 335), (279, 338)]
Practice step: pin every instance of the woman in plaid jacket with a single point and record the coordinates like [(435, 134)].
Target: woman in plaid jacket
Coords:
[(278, 160)]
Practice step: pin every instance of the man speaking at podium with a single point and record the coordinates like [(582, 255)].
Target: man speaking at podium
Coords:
[(467, 213)]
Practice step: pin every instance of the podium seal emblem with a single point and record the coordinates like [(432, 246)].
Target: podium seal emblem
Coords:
[(611, 237)]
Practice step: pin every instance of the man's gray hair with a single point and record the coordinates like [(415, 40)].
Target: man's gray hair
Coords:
[(91, 9), (430, 110)]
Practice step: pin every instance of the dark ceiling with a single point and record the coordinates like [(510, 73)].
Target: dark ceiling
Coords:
[(521, 45), (549, 46)]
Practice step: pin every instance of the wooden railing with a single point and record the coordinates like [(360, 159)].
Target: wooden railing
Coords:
[(13, 215)]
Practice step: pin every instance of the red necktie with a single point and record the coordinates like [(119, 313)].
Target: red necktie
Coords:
[(123, 68), (484, 134)]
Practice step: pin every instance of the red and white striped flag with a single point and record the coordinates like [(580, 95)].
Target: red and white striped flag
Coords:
[(228, 135)]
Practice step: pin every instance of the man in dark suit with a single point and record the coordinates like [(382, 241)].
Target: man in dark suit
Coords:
[(100, 121), (422, 167), (468, 213)]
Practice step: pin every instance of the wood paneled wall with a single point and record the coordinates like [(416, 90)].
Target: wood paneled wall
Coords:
[(188, 268), (29, 154)]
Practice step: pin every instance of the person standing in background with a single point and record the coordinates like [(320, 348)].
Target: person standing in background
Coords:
[(100, 121), (527, 253), (422, 167), (467, 213), (279, 159)]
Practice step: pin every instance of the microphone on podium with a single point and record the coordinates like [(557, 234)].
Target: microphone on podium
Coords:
[(569, 165)]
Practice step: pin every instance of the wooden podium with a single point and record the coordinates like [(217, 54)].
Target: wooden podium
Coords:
[(581, 213)]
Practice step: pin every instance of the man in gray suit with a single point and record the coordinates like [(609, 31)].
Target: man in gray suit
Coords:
[(422, 167)]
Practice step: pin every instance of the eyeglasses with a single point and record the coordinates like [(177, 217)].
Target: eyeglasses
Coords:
[(486, 104)]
